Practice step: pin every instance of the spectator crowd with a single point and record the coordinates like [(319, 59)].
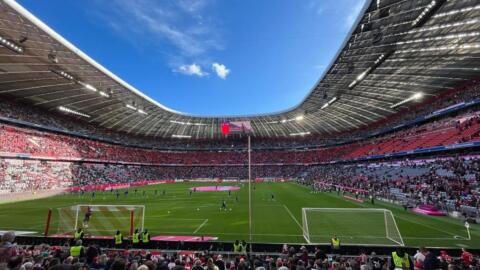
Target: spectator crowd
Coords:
[(13, 110), (45, 257), (451, 184)]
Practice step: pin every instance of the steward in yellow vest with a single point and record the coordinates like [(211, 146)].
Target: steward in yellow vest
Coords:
[(145, 238), (237, 246), (77, 249), (400, 261), (118, 237), (136, 237), (78, 234), (335, 243), (243, 247)]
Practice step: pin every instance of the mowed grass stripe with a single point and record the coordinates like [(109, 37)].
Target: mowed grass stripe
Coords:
[(178, 213)]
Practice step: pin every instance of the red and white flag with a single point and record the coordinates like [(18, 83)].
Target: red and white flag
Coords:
[(236, 127)]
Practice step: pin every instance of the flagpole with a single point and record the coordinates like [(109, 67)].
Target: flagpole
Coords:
[(249, 194)]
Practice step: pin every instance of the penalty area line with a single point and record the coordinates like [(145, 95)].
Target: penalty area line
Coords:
[(201, 225), (293, 217), (431, 227)]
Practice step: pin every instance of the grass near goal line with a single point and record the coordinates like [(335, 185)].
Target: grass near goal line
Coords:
[(274, 221), (355, 226)]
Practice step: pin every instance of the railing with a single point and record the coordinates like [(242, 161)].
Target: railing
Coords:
[(219, 247)]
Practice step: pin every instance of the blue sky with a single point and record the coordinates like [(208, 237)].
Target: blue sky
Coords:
[(208, 57)]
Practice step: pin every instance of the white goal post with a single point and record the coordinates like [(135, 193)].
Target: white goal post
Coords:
[(104, 219), (353, 226)]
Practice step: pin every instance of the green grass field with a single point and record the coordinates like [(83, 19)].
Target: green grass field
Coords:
[(274, 221)]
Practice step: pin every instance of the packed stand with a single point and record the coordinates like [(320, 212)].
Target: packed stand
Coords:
[(63, 156), (79, 257), (17, 175), (451, 184), (463, 128), (24, 112), (453, 130), (45, 144)]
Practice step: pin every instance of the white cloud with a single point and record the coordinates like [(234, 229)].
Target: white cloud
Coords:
[(221, 70), (192, 6), (192, 70), (182, 30)]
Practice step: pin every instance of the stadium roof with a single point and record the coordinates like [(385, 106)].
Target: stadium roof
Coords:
[(397, 51)]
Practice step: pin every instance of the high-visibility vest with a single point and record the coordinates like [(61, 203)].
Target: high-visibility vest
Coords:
[(118, 239), (401, 262), (78, 235), (135, 238), (237, 247), (145, 237), (75, 251), (336, 243), (243, 248)]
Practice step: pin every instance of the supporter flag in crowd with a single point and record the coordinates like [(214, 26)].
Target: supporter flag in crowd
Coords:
[(236, 127)]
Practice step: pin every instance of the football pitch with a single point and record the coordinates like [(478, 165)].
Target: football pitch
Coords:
[(275, 220)]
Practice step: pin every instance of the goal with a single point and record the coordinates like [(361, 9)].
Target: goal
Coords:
[(104, 219), (353, 226)]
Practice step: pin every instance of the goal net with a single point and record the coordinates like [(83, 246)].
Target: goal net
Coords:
[(353, 226), (103, 219)]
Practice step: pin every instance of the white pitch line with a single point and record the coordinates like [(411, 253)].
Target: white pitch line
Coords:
[(201, 225), (169, 218), (294, 219), (19, 232), (426, 225)]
